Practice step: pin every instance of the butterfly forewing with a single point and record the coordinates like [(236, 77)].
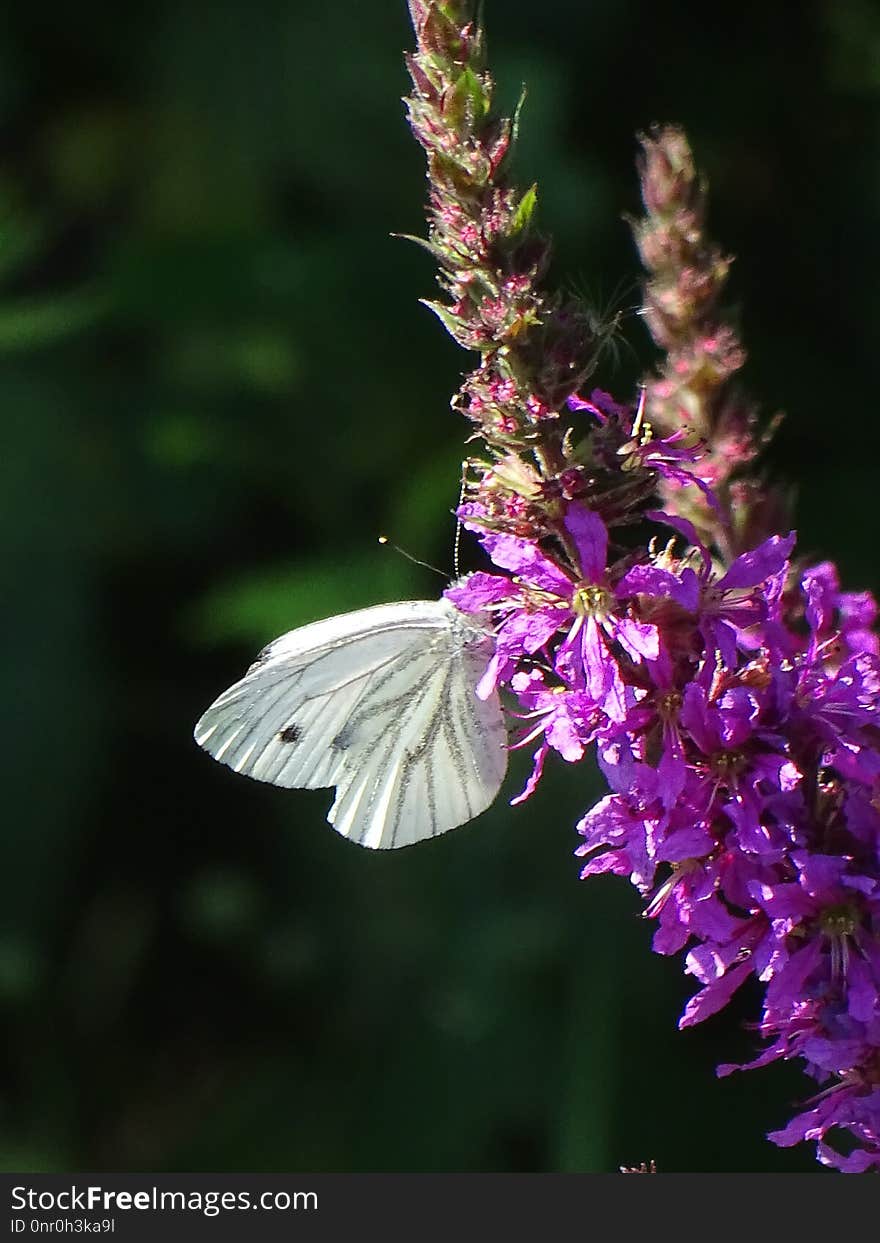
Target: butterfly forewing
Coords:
[(379, 703)]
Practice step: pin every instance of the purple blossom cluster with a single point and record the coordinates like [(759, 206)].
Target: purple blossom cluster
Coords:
[(735, 717), (648, 602)]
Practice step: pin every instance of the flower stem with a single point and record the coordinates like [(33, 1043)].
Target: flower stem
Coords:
[(535, 348), (693, 389)]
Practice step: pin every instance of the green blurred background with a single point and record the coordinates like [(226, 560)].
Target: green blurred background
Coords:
[(218, 389)]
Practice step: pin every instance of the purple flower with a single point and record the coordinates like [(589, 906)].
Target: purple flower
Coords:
[(830, 912), (640, 448), (585, 657), (851, 1106), (748, 595), (743, 762), (543, 601), (564, 720), (845, 617)]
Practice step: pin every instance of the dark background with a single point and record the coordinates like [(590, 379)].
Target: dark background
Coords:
[(217, 389)]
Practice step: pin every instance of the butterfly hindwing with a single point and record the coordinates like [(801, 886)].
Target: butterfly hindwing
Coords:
[(416, 771)]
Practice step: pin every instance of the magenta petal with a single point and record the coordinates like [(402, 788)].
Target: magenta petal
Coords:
[(650, 580), (709, 961), (753, 568), (578, 403), (820, 586), (715, 996), (722, 637), (596, 660), (796, 1131), (770, 1055), (688, 595), (711, 919), (671, 774), (615, 705), (535, 776), (858, 1162), (814, 1123), (692, 842), (857, 608), (616, 862), (477, 591), (672, 934), (819, 873), (862, 640), (784, 901), (861, 990), (524, 558), (640, 639), (697, 719), (564, 738), (497, 670), (833, 1054), (589, 534), (529, 631), (790, 981)]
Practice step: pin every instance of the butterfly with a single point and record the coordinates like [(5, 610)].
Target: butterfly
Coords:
[(381, 704)]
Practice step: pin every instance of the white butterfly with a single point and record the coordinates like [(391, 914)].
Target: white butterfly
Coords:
[(379, 703)]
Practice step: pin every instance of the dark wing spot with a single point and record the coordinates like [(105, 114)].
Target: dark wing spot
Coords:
[(290, 733), (342, 741)]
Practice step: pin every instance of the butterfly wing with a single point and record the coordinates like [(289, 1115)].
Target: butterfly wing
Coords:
[(379, 703), (427, 754)]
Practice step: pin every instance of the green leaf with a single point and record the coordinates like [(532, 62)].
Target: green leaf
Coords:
[(517, 113), (430, 247), (525, 210), (453, 325), (468, 101)]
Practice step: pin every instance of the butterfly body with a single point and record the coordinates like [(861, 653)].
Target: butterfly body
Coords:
[(379, 703)]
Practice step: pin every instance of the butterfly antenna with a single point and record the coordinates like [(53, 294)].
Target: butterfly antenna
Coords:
[(457, 546), (383, 539)]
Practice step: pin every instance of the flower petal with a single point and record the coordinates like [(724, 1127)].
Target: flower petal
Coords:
[(591, 537)]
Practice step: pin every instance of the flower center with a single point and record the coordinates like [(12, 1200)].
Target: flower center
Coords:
[(591, 600), (726, 764), (839, 921), (668, 705)]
